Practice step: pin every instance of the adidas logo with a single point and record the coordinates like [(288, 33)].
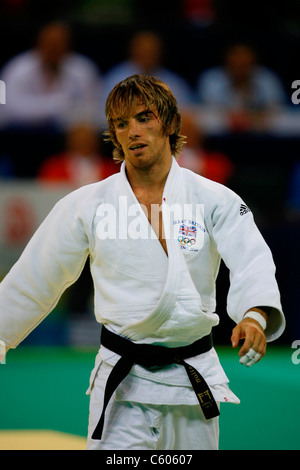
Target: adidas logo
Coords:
[(244, 209)]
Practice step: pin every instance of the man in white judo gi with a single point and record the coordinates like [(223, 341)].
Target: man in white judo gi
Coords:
[(155, 234)]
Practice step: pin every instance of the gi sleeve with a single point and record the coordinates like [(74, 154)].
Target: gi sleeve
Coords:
[(52, 261), (250, 263)]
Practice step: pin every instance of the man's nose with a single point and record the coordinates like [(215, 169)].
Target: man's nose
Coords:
[(134, 129)]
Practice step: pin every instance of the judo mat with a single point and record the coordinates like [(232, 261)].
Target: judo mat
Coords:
[(43, 404)]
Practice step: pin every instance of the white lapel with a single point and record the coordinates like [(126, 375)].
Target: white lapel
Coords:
[(151, 243), (175, 264)]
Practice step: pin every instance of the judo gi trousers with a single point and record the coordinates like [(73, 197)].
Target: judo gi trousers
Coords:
[(138, 426)]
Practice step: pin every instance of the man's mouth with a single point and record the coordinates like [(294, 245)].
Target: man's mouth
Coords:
[(137, 146)]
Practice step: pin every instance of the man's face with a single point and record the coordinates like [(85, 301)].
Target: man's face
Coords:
[(53, 45), (142, 137), (240, 62)]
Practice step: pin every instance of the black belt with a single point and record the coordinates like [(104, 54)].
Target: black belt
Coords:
[(148, 355)]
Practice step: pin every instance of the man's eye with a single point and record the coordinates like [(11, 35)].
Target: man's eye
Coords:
[(121, 125)]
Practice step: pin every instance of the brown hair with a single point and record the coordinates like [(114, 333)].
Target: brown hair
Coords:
[(152, 92)]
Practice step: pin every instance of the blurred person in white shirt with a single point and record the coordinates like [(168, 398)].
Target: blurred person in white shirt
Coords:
[(49, 84)]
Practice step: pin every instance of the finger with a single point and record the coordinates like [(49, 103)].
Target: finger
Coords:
[(2, 351), (255, 339), (236, 336), (259, 344), (248, 343), (250, 358), (253, 361)]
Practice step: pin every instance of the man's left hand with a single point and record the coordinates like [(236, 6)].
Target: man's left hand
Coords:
[(255, 344)]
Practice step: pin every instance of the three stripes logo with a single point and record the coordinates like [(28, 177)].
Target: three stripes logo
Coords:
[(244, 209)]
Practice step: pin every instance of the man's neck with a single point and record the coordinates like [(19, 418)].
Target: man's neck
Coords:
[(148, 187), (149, 180)]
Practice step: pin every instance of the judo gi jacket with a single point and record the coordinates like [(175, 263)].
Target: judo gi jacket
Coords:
[(141, 292)]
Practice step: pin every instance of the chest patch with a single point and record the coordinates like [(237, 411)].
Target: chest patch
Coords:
[(189, 231)]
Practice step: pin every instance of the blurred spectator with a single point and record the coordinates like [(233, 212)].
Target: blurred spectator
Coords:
[(247, 92), (50, 85), (81, 163), (213, 165), (146, 56)]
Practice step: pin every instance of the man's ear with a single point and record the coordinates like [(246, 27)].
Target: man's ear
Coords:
[(115, 141), (172, 127)]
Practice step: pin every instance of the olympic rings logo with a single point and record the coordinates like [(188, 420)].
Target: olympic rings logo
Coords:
[(184, 241)]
